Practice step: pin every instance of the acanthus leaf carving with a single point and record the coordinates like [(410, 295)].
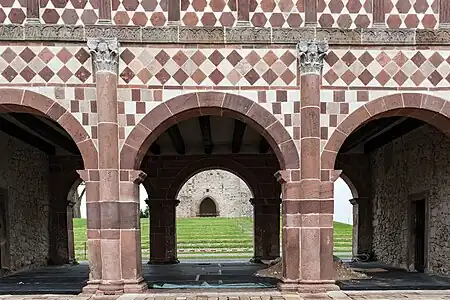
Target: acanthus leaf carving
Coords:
[(105, 54), (311, 54)]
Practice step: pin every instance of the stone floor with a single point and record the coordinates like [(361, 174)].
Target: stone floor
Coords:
[(340, 295)]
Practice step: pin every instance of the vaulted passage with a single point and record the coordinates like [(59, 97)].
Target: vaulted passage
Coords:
[(38, 164), (399, 168)]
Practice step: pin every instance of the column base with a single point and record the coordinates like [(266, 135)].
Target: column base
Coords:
[(91, 287), (157, 261), (110, 288), (135, 286), (307, 287), (260, 260)]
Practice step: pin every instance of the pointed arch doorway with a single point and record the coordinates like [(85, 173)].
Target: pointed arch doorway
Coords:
[(208, 208)]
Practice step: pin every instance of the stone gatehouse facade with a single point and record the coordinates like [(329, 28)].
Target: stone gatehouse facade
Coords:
[(129, 92), (230, 195)]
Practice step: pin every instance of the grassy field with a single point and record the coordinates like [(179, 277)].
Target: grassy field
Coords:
[(208, 238)]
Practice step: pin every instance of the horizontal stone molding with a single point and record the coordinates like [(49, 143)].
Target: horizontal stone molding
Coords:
[(225, 35)]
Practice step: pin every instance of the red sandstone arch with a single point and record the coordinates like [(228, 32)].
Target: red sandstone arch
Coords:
[(208, 103), (212, 163), (433, 110), (16, 100)]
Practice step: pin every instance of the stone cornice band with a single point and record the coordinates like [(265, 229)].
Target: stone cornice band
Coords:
[(224, 35)]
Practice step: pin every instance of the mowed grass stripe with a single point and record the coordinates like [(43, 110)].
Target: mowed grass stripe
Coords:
[(217, 236)]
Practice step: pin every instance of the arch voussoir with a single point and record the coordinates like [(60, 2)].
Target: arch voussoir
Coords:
[(188, 106), (430, 109), (16, 100)]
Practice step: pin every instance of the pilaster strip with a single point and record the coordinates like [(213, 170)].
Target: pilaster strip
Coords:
[(32, 11), (104, 12), (379, 17), (174, 12), (310, 13), (444, 14)]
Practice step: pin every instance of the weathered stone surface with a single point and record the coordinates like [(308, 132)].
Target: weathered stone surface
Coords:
[(416, 163), (229, 192), (24, 174)]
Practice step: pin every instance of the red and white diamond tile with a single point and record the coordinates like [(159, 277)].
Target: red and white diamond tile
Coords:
[(41, 64), (140, 12), (277, 13), (387, 68), (13, 12), (71, 12), (208, 13), (412, 13), (208, 67), (344, 13)]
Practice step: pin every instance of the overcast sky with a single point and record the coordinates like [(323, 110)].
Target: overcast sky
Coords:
[(342, 207)]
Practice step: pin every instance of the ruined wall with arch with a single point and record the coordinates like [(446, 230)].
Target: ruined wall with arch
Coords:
[(230, 193)]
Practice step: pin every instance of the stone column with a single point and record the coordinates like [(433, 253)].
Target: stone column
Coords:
[(306, 218), (362, 225), (71, 240), (130, 231), (105, 58), (266, 224), (91, 180), (163, 240)]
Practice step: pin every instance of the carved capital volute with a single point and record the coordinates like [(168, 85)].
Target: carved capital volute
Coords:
[(311, 54), (105, 54)]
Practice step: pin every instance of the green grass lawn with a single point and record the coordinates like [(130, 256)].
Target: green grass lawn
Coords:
[(227, 237)]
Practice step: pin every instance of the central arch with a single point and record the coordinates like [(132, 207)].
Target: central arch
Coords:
[(214, 163), (197, 104)]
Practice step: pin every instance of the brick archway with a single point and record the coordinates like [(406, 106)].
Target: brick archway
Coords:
[(208, 103), (209, 164), (15, 100), (433, 110)]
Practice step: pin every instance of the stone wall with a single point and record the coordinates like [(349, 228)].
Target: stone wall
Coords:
[(230, 193), (416, 163), (24, 172)]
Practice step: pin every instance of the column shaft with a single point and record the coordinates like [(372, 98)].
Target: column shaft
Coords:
[(71, 241), (174, 12), (362, 225), (266, 218), (90, 177), (243, 13), (105, 59), (163, 244)]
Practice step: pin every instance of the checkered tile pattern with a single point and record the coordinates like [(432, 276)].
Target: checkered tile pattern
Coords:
[(208, 67), (387, 68), (13, 12), (69, 12), (278, 13), (412, 13), (344, 13), (140, 12), (80, 101), (40, 64), (208, 12)]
